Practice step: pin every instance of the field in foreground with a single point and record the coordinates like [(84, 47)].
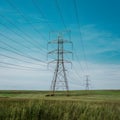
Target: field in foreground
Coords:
[(80, 105)]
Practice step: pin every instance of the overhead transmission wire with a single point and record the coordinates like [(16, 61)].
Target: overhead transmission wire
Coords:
[(17, 49), (12, 30), (81, 39), (24, 17), (22, 44), (76, 71), (25, 69), (76, 55), (61, 16), (75, 76), (11, 40), (43, 16), (30, 42), (57, 4), (16, 42), (35, 4), (62, 19), (11, 64), (15, 52), (41, 13), (17, 59), (78, 64), (76, 84), (8, 67), (7, 56), (59, 12), (18, 52)]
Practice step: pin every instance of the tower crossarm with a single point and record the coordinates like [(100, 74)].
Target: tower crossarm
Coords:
[(56, 41), (65, 61), (60, 52), (55, 61)]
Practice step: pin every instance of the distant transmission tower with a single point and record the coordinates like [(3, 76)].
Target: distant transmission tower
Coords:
[(87, 85), (60, 76)]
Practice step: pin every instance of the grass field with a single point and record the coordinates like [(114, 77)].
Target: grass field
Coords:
[(80, 105)]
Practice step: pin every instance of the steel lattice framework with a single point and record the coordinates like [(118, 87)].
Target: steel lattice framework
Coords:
[(87, 85), (60, 76)]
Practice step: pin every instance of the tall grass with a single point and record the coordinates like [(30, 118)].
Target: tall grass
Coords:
[(26, 109)]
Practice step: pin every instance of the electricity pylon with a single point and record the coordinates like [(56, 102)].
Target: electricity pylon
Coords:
[(87, 82), (60, 76)]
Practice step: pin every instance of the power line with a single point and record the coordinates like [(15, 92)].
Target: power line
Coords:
[(72, 78), (61, 16), (11, 64), (12, 31), (20, 37), (7, 67), (41, 13), (19, 53), (10, 22), (77, 73), (18, 10), (76, 55), (11, 67), (81, 39), (78, 61), (13, 40), (18, 59), (28, 56), (24, 17)]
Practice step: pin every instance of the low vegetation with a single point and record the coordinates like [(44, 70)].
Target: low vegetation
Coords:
[(20, 105)]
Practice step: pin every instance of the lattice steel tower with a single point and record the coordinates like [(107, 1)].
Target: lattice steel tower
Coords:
[(60, 76), (87, 82)]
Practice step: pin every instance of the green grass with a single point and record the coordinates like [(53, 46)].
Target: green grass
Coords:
[(80, 105), (93, 95)]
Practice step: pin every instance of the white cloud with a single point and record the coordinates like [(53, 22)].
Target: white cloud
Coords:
[(101, 39), (95, 40), (19, 79), (102, 76)]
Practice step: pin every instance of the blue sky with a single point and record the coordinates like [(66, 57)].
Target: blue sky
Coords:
[(25, 27)]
